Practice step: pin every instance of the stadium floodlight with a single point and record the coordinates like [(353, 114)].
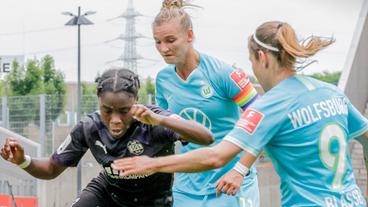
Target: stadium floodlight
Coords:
[(78, 20), (89, 13), (67, 13)]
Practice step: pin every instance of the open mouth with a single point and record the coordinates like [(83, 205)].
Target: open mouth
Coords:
[(116, 132)]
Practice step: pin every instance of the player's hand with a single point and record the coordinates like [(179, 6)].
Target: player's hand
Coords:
[(12, 151), (145, 115), (138, 165), (229, 183)]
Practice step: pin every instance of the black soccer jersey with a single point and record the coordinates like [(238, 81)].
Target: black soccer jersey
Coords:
[(140, 139)]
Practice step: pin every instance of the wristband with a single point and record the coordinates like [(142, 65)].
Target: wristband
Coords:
[(26, 162), (241, 169)]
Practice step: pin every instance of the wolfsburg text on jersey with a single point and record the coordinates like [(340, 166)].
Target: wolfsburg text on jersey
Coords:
[(317, 111)]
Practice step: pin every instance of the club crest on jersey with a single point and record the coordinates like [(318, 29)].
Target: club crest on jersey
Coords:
[(135, 147), (206, 90), (239, 78), (250, 120)]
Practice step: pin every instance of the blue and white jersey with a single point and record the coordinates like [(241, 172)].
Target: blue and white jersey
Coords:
[(212, 95), (304, 125)]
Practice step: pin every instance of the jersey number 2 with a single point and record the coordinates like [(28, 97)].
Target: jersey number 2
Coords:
[(334, 160)]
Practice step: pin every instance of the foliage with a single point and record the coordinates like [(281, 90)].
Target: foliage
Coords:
[(147, 90), (89, 102), (329, 77), (24, 86)]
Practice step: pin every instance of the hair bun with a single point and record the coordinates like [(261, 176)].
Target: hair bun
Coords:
[(172, 3)]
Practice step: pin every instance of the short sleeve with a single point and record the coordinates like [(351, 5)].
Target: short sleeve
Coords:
[(160, 99), (72, 149), (237, 86), (166, 134), (258, 125), (357, 123)]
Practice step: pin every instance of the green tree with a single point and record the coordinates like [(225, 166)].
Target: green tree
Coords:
[(38, 77), (142, 94), (329, 77), (89, 102), (150, 89)]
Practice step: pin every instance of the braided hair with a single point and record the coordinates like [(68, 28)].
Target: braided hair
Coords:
[(117, 80)]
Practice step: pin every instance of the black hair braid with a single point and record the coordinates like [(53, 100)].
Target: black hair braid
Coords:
[(116, 80)]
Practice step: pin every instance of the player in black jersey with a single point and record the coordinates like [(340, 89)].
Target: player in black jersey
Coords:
[(122, 128)]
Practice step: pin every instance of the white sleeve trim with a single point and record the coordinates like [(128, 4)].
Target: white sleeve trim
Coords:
[(241, 145)]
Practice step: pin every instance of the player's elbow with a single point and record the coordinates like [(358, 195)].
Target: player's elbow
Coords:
[(203, 138), (208, 138), (215, 160)]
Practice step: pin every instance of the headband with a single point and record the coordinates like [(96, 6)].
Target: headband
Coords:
[(269, 47)]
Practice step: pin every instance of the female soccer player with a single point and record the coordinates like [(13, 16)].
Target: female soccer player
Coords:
[(202, 88), (303, 124), (122, 128)]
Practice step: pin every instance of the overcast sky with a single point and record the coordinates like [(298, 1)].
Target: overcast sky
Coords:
[(36, 28)]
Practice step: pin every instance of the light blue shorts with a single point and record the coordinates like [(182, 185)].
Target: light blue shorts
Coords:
[(248, 196)]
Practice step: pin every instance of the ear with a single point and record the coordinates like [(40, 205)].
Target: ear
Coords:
[(263, 58), (190, 35)]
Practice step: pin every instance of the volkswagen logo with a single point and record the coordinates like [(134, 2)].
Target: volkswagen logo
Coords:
[(196, 115)]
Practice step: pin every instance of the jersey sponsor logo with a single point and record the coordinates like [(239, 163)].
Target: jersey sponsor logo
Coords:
[(135, 147), (206, 91), (63, 145), (99, 144), (250, 120), (116, 174), (196, 115), (240, 78)]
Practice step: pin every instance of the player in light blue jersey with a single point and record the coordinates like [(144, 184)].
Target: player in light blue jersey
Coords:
[(303, 124), (201, 88)]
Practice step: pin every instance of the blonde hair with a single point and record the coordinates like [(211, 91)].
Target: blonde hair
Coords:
[(174, 9), (282, 37)]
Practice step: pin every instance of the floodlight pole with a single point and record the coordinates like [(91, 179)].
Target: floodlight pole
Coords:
[(79, 20)]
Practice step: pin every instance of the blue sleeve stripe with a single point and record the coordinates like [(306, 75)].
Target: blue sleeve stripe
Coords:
[(241, 145)]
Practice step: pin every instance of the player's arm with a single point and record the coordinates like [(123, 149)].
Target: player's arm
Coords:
[(189, 130), (45, 168), (365, 135), (202, 159), (227, 184)]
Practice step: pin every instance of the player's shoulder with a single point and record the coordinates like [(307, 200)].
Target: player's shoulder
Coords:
[(280, 96), (166, 72), (214, 65), (91, 123)]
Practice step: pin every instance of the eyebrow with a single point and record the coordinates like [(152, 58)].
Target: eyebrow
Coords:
[(112, 108), (166, 37)]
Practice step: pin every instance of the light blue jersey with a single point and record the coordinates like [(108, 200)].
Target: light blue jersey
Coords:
[(212, 95), (304, 125)]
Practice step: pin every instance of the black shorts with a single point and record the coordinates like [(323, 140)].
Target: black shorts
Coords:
[(99, 193)]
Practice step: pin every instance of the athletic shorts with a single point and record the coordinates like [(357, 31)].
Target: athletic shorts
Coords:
[(99, 193), (248, 196)]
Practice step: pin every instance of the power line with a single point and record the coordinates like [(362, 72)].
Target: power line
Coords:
[(41, 30), (64, 48)]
